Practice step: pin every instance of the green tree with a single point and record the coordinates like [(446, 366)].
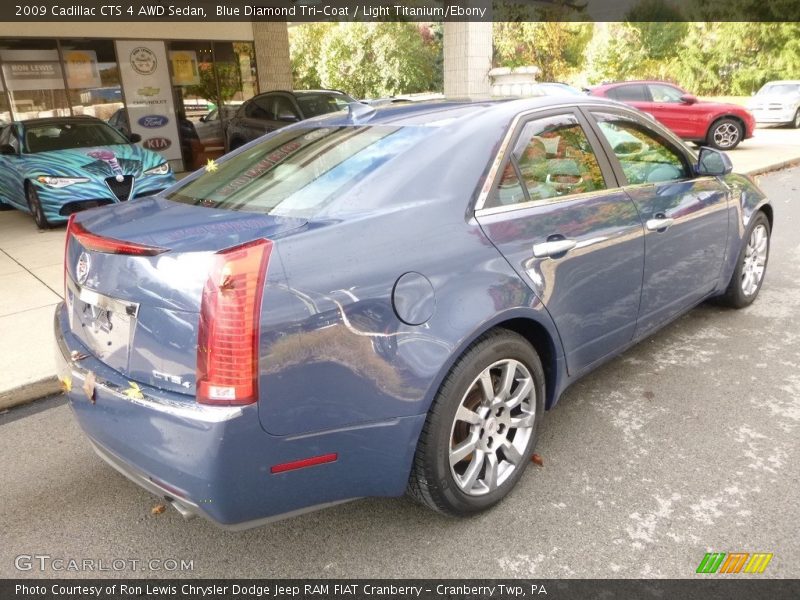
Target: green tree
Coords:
[(556, 47), (367, 59)]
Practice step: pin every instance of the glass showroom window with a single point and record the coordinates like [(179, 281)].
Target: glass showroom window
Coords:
[(92, 77), (34, 78)]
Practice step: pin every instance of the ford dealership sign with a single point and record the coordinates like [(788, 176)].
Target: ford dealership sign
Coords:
[(153, 121)]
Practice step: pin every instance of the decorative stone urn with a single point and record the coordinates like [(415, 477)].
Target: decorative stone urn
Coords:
[(517, 82)]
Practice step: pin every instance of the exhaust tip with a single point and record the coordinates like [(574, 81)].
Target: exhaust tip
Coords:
[(185, 511)]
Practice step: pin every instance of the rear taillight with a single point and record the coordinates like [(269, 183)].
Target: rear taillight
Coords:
[(227, 344), (98, 243), (70, 226)]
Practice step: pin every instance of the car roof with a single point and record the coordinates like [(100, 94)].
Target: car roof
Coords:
[(448, 110)]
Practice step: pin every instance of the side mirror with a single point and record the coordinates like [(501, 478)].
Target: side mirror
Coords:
[(288, 117), (134, 137), (713, 162), (204, 118), (689, 99), (8, 149)]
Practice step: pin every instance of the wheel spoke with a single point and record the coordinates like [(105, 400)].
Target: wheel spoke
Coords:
[(507, 379), (511, 453), (468, 416), (524, 421), (463, 450), (490, 475), (487, 387), (521, 393), (473, 470)]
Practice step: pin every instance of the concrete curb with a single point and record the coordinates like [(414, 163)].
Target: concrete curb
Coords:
[(792, 162), (48, 386), (29, 392)]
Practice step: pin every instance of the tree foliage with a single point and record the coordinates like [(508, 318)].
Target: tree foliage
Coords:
[(556, 47), (706, 58), (367, 59)]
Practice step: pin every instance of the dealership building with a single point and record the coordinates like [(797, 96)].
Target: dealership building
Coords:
[(174, 83)]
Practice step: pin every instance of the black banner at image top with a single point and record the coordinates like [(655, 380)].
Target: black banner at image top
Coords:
[(712, 588), (398, 10)]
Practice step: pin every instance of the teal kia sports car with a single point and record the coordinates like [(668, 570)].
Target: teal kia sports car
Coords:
[(55, 167)]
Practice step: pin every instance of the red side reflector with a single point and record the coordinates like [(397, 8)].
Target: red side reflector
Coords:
[(305, 462), (98, 243)]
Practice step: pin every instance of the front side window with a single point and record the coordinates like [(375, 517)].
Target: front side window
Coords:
[(645, 157), (258, 108), (665, 94), (552, 158)]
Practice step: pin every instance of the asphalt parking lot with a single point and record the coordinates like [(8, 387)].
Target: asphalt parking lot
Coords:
[(687, 443)]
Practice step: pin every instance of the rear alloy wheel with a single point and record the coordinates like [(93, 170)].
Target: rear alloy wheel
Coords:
[(751, 266), (481, 430), (35, 206), (724, 134)]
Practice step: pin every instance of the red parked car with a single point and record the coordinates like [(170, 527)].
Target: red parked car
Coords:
[(714, 124)]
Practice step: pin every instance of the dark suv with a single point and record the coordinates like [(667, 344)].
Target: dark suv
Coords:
[(272, 110)]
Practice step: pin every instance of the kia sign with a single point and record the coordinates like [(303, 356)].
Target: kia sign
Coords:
[(157, 143), (153, 121)]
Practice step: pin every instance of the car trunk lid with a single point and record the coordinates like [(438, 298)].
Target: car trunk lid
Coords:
[(135, 276)]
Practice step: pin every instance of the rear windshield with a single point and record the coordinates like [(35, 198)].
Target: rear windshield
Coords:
[(297, 172)]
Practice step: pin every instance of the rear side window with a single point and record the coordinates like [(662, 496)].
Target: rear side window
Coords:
[(552, 158), (314, 105), (297, 172), (629, 93)]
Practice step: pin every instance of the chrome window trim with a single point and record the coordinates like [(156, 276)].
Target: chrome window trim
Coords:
[(492, 176), (485, 212)]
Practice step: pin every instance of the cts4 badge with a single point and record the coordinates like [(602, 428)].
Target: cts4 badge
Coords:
[(82, 267)]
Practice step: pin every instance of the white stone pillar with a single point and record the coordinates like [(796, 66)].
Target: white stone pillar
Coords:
[(272, 56), (467, 59)]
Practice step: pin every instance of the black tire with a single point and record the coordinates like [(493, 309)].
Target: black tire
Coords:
[(432, 481), (236, 143), (735, 296), (35, 207), (725, 134), (795, 124), (4, 206)]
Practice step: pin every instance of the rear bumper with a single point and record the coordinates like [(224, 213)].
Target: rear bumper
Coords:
[(215, 462)]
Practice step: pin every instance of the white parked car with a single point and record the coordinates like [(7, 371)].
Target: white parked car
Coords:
[(777, 103)]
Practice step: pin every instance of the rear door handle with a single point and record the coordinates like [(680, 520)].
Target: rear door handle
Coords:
[(553, 248), (660, 223)]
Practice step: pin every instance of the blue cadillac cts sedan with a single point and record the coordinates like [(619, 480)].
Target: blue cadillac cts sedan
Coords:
[(386, 301)]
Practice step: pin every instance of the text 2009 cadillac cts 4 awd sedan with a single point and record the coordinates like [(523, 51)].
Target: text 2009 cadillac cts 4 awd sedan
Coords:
[(381, 302)]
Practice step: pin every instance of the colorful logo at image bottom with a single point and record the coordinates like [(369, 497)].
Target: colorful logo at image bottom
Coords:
[(734, 562)]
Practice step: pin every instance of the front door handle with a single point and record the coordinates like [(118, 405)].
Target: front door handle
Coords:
[(553, 248), (660, 223)]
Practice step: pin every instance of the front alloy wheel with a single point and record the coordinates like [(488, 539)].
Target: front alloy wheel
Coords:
[(796, 120), (481, 429), (35, 206), (755, 259), (751, 265)]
